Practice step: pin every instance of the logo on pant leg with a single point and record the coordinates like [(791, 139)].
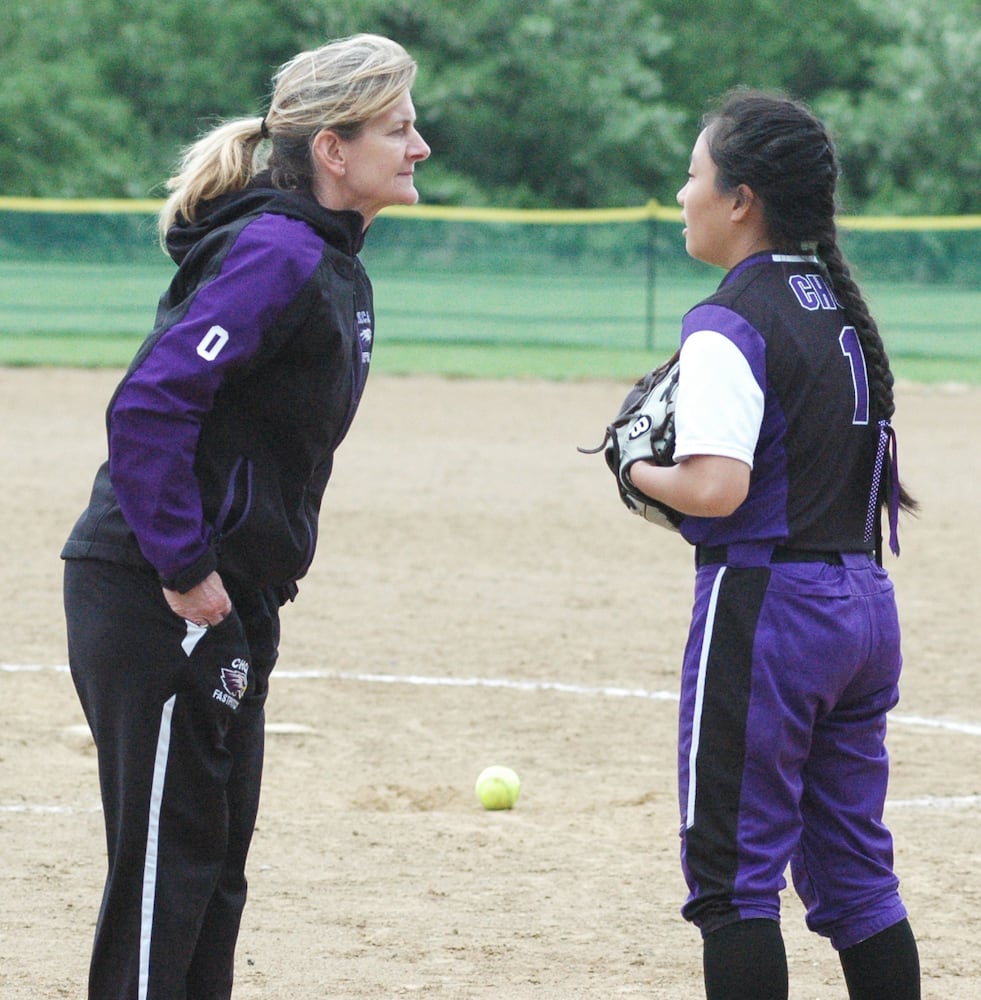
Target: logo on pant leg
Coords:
[(235, 681)]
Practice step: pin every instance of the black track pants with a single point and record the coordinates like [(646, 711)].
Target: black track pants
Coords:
[(179, 775)]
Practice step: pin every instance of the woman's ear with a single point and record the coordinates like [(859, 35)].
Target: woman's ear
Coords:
[(328, 152), (744, 203)]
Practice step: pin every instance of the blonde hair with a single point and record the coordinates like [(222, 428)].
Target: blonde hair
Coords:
[(339, 86)]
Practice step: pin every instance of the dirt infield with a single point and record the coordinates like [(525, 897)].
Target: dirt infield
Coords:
[(479, 597)]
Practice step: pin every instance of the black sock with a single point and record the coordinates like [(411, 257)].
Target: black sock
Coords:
[(885, 967), (745, 961)]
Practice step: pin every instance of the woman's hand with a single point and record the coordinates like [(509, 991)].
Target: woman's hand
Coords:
[(205, 604)]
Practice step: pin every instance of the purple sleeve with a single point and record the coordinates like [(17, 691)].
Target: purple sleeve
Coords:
[(156, 416)]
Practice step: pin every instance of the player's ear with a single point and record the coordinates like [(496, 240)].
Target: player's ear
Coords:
[(744, 202)]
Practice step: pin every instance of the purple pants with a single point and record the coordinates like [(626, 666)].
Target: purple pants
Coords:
[(788, 674)]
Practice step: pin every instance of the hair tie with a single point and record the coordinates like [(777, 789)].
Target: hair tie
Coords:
[(264, 128)]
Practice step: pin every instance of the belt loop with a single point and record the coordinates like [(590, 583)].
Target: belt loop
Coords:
[(750, 554), (711, 555)]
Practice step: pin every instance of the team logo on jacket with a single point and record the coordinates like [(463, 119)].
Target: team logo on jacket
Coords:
[(235, 681)]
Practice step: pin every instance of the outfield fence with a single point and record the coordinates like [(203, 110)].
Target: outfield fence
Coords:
[(598, 277)]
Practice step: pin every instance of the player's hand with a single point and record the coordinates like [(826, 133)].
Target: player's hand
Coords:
[(206, 604)]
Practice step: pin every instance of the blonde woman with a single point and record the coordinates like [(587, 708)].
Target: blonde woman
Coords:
[(221, 439)]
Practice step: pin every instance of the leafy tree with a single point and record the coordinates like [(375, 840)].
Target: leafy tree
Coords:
[(182, 64), (801, 47), (557, 102), (911, 143), (561, 102), (61, 132), (97, 98)]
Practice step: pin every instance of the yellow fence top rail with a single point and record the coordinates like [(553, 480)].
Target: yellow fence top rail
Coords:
[(653, 210), (82, 206)]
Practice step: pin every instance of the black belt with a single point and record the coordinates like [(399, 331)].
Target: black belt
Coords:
[(711, 555)]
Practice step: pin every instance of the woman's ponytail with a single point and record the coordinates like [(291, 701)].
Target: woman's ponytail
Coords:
[(221, 161)]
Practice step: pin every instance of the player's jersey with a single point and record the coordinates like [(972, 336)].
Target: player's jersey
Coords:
[(772, 374)]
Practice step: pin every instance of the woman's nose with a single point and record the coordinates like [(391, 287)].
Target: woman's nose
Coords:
[(421, 150)]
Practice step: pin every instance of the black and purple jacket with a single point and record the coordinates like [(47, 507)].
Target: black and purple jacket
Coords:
[(222, 432)]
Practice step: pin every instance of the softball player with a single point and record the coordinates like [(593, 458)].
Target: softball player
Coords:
[(221, 442), (785, 457)]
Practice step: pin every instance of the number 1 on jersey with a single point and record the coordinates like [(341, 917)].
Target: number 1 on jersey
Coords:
[(851, 347)]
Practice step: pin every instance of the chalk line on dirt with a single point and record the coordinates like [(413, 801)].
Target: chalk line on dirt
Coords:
[(512, 684)]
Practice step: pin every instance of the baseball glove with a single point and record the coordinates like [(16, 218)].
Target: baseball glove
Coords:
[(643, 430)]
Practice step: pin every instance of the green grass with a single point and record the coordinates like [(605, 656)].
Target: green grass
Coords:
[(569, 363), (454, 360), (556, 326), (70, 300)]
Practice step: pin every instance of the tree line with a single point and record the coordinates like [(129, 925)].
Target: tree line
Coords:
[(556, 103)]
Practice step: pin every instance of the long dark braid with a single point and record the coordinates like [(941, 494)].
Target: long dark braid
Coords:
[(881, 379), (785, 155)]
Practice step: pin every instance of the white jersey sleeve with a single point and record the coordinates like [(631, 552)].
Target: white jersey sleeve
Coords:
[(719, 409)]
